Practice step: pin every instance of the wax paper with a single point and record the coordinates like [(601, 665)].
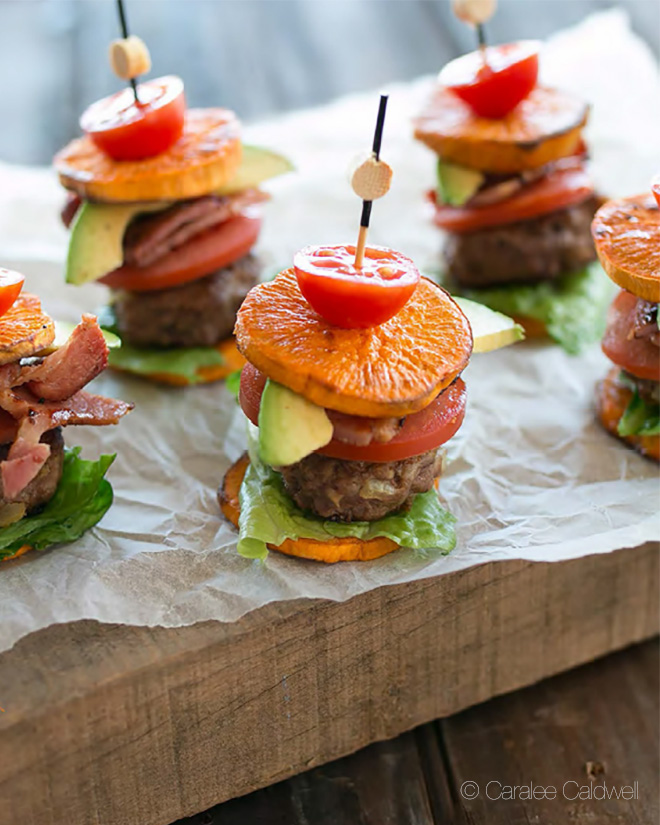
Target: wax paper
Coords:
[(530, 475)]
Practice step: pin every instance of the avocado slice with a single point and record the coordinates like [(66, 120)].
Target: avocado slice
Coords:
[(490, 330), (456, 184), (290, 426), (257, 165), (97, 233)]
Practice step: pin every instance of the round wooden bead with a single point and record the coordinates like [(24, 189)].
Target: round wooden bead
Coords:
[(474, 11), (371, 178), (129, 57)]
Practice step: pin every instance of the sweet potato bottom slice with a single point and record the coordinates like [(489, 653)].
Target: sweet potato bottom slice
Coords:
[(20, 552), (346, 549), (611, 402)]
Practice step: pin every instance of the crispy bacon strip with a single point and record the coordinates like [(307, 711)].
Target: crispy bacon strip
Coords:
[(151, 237), (354, 429), (35, 417), (64, 372), (73, 366)]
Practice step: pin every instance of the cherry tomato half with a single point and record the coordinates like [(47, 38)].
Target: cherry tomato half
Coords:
[(638, 356), (215, 248), (422, 431), (127, 130), (355, 298), (495, 86), (558, 190), (11, 284), (655, 187)]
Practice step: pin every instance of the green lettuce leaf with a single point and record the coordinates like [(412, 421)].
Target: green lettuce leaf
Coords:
[(572, 308), (80, 501), (641, 417), (269, 516), (184, 362)]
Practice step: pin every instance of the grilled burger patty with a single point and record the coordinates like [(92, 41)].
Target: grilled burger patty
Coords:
[(359, 490), (200, 313), (42, 488), (539, 249)]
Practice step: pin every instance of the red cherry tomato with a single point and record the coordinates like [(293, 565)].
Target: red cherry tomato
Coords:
[(11, 284), (421, 431), (558, 190), (355, 298), (655, 186), (213, 249), (638, 356), (495, 86), (127, 130)]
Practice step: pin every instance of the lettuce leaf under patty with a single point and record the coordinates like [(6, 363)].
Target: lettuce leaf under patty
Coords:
[(82, 498), (572, 308), (269, 516), (641, 417), (185, 362)]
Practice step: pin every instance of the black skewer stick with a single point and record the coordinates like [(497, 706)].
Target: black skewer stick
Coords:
[(366, 205), (125, 33), (481, 36)]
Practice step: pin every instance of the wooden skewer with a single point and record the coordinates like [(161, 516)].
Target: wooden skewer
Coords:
[(371, 181)]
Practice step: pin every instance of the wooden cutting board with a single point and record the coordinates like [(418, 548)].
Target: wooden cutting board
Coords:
[(117, 725)]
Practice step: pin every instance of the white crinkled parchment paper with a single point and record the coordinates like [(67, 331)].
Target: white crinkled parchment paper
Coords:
[(530, 476)]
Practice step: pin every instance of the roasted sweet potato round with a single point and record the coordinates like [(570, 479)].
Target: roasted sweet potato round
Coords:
[(627, 237), (393, 369), (339, 549), (204, 158), (24, 329), (544, 127)]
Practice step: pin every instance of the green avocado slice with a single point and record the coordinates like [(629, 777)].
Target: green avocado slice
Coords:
[(456, 184), (290, 426), (257, 166), (97, 234)]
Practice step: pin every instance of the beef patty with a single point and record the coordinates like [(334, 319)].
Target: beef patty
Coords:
[(359, 490), (539, 249), (200, 313), (42, 488)]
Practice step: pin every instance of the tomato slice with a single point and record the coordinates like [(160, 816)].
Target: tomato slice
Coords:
[(216, 247), (127, 130), (11, 284), (495, 86), (421, 431), (355, 298), (559, 189), (637, 356)]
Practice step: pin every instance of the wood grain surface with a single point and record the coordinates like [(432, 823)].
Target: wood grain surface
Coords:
[(595, 725), (118, 725)]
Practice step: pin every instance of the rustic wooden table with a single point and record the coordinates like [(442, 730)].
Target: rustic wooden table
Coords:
[(593, 726)]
